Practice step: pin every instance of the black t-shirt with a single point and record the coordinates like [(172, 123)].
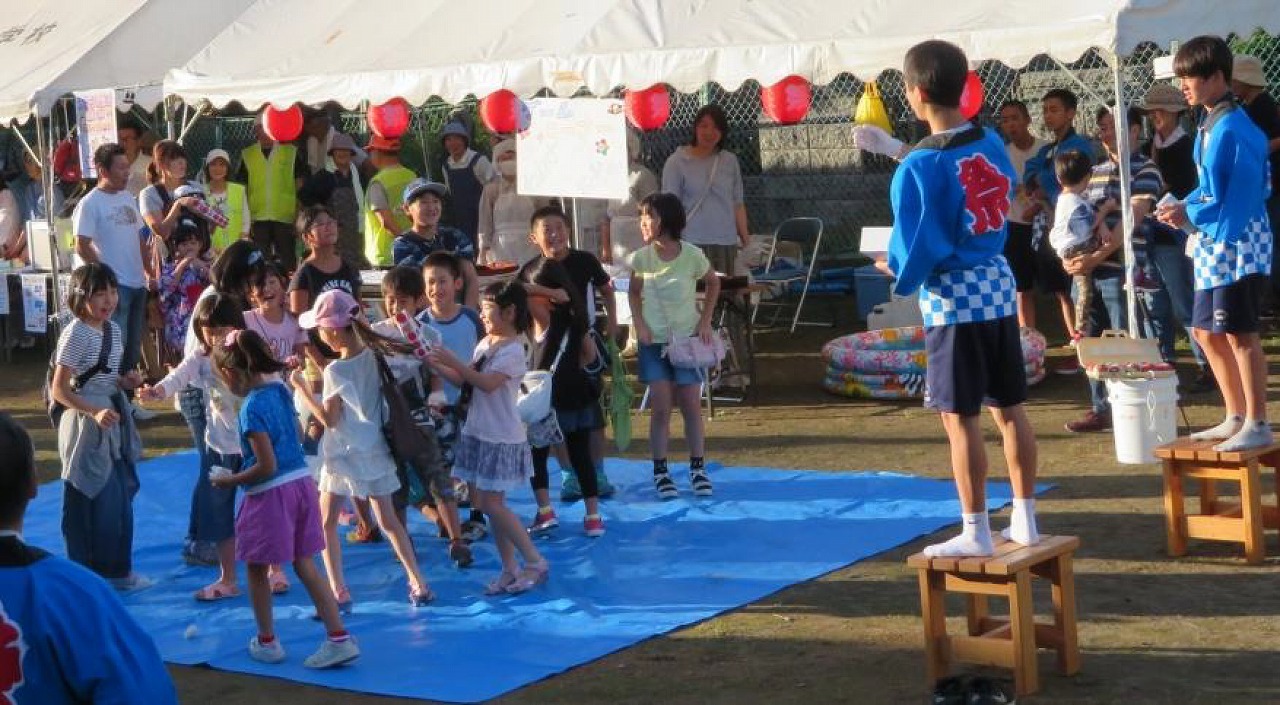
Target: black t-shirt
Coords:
[(1266, 115), (583, 268), (312, 279), (1177, 164)]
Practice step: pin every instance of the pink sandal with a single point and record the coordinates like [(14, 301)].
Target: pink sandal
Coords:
[(217, 591), (533, 575), (499, 585)]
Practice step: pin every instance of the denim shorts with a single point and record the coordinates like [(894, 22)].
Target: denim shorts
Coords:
[(655, 367)]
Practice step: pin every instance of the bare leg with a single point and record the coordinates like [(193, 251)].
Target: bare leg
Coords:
[(330, 505), (385, 513), (227, 561), (363, 515), (1020, 456), (689, 397), (260, 598), (1222, 360), (660, 394), (326, 605), (1068, 309), (969, 468), (1251, 363), (506, 526)]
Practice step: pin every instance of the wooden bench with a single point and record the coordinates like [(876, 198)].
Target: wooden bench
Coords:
[(1241, 521), (999, 641)]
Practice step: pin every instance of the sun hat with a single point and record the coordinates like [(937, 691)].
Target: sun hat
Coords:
[(217, 154), (417, 187), (1248, 70), (334, 308), (455, 127), (341, 141), (1163, 96)]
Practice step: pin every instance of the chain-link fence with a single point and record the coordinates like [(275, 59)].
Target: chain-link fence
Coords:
[(809, 169)]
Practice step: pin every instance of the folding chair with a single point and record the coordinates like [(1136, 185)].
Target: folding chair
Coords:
[(804, 237)]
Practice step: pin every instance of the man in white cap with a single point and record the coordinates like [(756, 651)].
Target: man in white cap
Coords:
[(340, 188), (1249, 83)]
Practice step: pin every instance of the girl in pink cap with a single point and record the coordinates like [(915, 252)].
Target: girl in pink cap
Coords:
[(354, 458)]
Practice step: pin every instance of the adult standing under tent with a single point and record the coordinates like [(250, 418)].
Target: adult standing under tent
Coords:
[(383, 221), (129, 135), (1171, 149), (1015, 121), (228, 197), (339, 187), (1249, 83), (108, 229), (504, 213), (321, 134), (708, 181), (465, 173), (272, 173)]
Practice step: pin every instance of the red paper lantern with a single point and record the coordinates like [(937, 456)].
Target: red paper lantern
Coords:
[(971, 97), (503, 112), (282, 125), (787, 101), (391, 119), (648, 109)]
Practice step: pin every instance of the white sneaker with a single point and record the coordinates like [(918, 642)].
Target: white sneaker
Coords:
[(141, 413), (266, 653), (333, 653), (131, 583)]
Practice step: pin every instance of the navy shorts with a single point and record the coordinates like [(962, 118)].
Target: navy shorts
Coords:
[(215, 507), (1233, 308), (974, 364)]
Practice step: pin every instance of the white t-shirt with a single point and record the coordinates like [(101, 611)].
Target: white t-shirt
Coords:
[(1073, 219), (112, 221), (356, 381), (1019, 158), (492, 416)]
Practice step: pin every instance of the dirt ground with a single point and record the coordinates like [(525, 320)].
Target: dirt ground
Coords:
[(1199, 629)]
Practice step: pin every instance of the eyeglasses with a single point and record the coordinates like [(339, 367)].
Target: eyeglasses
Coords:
[(322, 223)]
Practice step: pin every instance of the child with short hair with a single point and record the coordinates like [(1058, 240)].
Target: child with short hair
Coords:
[(460, 330), (354, 458), (279, 519), (1233, 243), (97, 439), (182, 279), (1075, 228), (493, 453), (951, 196), (404, 292)]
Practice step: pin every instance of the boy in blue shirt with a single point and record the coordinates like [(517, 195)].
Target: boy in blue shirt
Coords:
[(950, 198), (66, 637), (1232, 248)]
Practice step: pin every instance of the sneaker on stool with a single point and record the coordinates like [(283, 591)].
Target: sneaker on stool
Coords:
[(1091, 422), (333, 653)]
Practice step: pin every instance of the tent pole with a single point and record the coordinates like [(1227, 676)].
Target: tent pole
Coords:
[(1121, 116), (46, 183)]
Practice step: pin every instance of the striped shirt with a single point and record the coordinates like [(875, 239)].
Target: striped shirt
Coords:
[(79, 347), (1104, 185)]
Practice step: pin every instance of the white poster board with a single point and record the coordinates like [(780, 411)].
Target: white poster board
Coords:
[(574, 147), (95, 125), (35, 303)]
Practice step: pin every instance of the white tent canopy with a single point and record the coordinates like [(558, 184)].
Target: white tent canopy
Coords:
[(49, 48), (286, 51)]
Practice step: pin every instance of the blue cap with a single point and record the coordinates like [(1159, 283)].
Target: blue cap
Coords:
[(417, 187), (456, 128)]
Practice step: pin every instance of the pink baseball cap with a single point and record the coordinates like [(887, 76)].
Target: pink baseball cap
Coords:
[(334, 308)]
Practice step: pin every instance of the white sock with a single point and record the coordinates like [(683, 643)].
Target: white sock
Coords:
[(1229, 427), (974, 539), (1256, 433), (1022, 524)]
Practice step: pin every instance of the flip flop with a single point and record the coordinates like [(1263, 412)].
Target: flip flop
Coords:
[(216, 591), (279, 582)]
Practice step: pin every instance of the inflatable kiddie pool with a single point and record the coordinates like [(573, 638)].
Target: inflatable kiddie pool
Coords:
[(890, 363)]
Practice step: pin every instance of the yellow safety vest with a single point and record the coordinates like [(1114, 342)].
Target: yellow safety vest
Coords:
[(272, 195), (234, 210), (377, 239)]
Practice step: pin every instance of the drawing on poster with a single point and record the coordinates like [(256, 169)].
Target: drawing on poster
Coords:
[(95, 124), (575, 148)]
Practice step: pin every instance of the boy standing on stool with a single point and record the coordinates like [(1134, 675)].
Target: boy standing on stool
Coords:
[(1232, 255), (950, 198)]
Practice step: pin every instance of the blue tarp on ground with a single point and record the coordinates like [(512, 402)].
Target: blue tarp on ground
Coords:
[(662, 565)]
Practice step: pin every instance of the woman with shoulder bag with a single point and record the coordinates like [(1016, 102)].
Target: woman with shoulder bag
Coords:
[(562, 347), (663, 298)]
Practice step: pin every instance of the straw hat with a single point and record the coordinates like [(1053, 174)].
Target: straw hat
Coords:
[(1248, 70), (1163, 96)]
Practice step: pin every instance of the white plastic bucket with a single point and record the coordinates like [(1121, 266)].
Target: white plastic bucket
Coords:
[(1142, 416)]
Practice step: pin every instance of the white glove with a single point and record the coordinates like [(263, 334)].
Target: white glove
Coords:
[(873, 139)]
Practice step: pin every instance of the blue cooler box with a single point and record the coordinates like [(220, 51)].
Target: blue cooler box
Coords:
[(871, 288)]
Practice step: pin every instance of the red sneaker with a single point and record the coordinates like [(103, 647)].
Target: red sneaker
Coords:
[(1092, 422), (593, 526)]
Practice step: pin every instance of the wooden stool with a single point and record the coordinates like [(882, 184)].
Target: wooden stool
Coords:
[(1218, 520), (997, 641)]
